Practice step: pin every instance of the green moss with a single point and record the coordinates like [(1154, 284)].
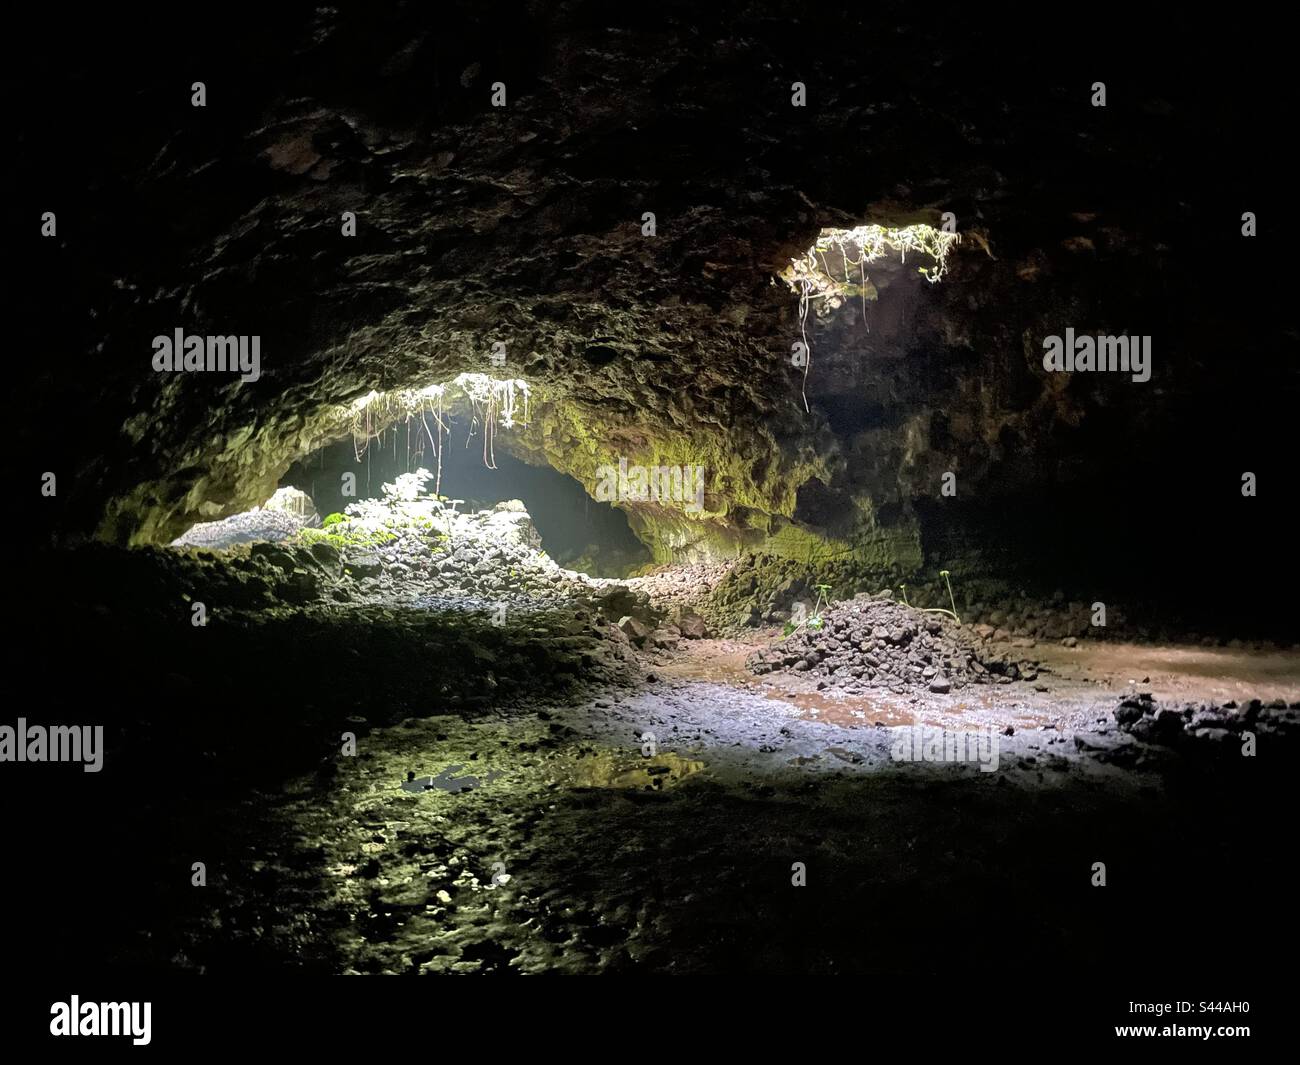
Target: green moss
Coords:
[(343, 534), (746, 484)]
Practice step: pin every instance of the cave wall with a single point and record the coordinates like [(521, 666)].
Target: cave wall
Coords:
[(523, 225)]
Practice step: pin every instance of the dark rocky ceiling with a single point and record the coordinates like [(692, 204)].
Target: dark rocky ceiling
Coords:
[(522, 224)]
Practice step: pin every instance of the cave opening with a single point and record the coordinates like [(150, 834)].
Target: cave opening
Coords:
[(580, 532), (461, 431)]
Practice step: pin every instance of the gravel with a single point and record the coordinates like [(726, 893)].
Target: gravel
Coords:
[(874, 642)]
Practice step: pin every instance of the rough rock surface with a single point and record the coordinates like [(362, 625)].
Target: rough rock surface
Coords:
[(878, 643), (411, 550), (523, 224), (1208, 726), (251, 526), (427, 552)]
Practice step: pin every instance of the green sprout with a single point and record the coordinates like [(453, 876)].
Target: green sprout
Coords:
[(937, 609), (814, 621), (944, 574)]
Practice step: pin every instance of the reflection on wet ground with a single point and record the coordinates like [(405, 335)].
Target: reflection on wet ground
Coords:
[(612, 769), (1074, 683), (723, 662), (536, 835)]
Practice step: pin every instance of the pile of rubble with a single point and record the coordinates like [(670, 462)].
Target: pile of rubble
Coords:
[(648, 622), (485, 559), (875, 642), (409, 548)]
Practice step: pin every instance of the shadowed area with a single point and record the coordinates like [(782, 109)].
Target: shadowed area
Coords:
[(649, 531)]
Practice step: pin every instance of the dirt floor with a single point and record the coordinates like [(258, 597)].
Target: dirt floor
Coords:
[(402, 790), (1093, 672), (547, 838)]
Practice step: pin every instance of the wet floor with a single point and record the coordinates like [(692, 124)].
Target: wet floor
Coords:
[(651, 824), (608, 769), (1074, 686), (586, 850)]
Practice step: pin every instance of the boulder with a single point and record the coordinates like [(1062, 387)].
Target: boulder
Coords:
[(635, 629), (690, 624)]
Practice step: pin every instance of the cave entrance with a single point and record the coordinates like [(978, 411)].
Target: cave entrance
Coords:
[(460, 434), (578, 532)]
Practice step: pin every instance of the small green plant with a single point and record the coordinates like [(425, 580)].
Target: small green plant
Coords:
[(333, 519), (936, 609), (944, 574), (814, 620)]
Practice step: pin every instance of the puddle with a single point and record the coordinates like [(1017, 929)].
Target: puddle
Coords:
[(607, 769)]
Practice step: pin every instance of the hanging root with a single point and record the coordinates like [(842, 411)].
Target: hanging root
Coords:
[(811, 276), (490, 400)]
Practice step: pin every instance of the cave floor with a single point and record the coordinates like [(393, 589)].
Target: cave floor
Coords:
[(1079, 685), (538, 836), (543, 796)]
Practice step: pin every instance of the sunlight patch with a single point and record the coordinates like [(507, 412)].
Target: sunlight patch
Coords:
[(494, 402), (834, 269)]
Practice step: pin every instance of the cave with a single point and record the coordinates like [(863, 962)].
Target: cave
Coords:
[(700, 490)]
